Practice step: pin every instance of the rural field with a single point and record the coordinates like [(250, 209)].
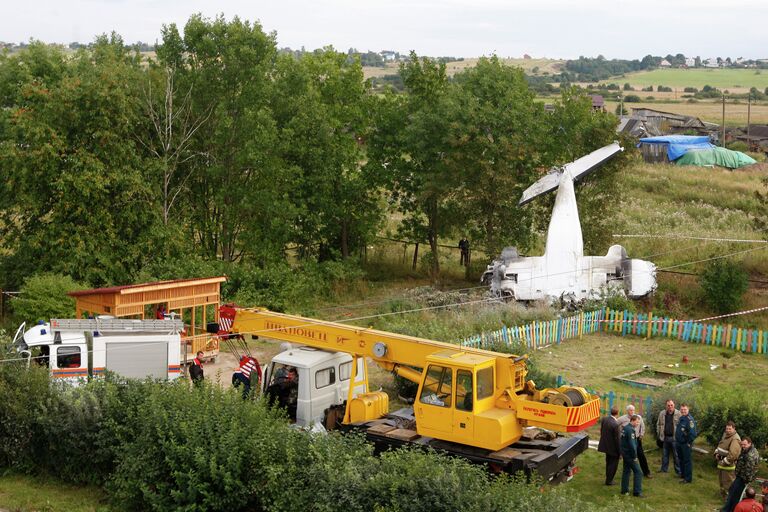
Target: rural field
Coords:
[(734, 80), (706, 110), (551, 66)]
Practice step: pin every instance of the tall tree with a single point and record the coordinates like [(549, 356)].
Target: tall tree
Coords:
[(319, 105), (172, 124), (80, 204), (497, 149), (409, 147), (238, 191)]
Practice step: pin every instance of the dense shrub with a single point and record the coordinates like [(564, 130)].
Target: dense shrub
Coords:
[(163, 446), (744, 407), (632, 98), (712, 409), (44, 296), (724, 283)]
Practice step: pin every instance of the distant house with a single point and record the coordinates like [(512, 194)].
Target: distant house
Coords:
[(665, 64), (598, 102), (690, 62), (646, 122), (711, 63), (388, 56)]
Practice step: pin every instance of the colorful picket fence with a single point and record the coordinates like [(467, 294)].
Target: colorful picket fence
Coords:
[(539, 334)]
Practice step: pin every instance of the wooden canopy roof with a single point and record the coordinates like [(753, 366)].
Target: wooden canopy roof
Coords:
[(131, 300)]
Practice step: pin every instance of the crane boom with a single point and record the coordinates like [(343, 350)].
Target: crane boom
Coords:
[(466, 395)]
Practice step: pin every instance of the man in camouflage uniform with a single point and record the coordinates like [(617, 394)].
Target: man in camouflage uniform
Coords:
[(746, 469)]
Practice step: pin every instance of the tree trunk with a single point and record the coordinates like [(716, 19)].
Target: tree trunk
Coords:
[(344, 239)]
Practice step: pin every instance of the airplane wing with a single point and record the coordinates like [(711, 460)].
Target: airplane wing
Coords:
[(578, 169)]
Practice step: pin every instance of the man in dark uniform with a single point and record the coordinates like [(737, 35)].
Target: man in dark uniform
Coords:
[(464, 247), (609, 444), (685, 433), (629, 454)]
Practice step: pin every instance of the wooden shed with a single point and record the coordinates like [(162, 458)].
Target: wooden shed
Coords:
[(196, 301)]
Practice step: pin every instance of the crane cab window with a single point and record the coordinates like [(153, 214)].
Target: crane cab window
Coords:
[(485, 383), (464, 390), (325, 377), (345, 370), (68, 357), (438, 386)]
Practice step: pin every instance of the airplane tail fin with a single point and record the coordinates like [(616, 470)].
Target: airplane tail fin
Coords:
[(578, 169)]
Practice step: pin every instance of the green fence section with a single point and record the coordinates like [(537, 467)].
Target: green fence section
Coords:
[(540, 334)]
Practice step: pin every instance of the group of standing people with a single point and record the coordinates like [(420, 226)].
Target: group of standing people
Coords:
[(622, 438)]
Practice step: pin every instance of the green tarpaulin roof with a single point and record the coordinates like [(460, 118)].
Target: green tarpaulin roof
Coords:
[(716, 156)]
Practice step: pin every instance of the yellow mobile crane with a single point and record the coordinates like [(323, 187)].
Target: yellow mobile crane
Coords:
[(470, 402)]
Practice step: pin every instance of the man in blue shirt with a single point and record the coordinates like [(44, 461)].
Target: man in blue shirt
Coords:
[(685, 433), (629, 454)]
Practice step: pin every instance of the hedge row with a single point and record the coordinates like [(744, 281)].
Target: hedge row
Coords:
[(164, 446)]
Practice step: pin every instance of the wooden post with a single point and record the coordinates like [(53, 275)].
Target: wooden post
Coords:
[(415, 256), (649, 325), (722, 144), (749, 111)]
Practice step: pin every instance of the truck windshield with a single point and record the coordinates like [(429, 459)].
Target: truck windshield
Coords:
[(438, 386)]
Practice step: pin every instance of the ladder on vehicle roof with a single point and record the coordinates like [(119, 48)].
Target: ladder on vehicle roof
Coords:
[(117, 324)]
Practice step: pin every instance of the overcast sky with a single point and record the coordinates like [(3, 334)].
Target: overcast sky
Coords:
[(461, 28)]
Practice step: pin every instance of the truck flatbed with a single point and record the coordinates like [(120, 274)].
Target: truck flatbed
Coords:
[(551, 458)]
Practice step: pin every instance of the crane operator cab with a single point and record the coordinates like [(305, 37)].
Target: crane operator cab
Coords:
[(283, 388), (456, 401)]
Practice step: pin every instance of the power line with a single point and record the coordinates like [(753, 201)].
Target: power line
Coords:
[(684, 237)]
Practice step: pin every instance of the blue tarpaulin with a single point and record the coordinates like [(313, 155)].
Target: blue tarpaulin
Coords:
[(677, 145)]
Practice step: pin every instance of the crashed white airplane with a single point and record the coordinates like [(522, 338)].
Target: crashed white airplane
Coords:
[(563, 271)]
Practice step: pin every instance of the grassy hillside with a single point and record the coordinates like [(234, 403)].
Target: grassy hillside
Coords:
[(551, 66), (695, 202), (734, 80)]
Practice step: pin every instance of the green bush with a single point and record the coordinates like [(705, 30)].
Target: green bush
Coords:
[(632, 98), (724, 283), (738, 145), (742, 406), (44, 296)]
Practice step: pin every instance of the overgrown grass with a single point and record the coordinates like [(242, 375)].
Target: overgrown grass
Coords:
[(21, 493)]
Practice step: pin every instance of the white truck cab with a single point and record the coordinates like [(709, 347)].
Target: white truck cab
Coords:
[(75, 350), (312, 384)]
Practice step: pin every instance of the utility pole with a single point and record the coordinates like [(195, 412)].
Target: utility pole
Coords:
[(749, 112), (722, 143)]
